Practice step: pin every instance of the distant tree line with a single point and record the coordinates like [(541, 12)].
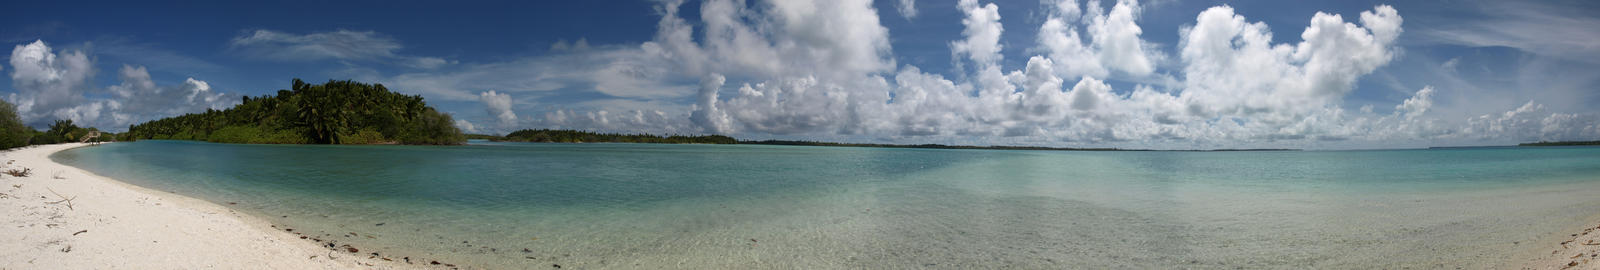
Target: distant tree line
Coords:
[(336, 112), (575, 136), (1561, 143), (482, 137)]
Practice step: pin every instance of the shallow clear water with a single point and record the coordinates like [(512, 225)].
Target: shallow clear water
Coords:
[(745, 206)]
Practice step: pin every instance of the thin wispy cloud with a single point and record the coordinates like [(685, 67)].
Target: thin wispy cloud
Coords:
[(337, 45), (1540, 28)]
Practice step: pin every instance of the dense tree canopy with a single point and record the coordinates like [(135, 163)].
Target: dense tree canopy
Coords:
[(336, 112), (12, 132)]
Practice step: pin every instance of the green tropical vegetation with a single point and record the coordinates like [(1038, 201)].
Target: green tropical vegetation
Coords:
[(575, 136), (336, 112), (482, 137), (64, 131), (13, 133)]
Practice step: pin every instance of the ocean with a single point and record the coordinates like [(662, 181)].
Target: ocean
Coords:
[(654, 206)]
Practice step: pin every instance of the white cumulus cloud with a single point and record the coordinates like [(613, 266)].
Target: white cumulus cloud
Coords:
[(1116, 35), (1232, 69), (52, 86), (983, 29), (498, 105), (140, 99), (705, 113), (1110, 40), (824, 69), (466, 126), (48, 84)]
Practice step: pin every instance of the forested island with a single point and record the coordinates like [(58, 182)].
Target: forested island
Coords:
[(336, 112), (1562, 143)]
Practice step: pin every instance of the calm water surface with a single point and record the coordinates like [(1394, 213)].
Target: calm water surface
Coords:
[(745, 206)]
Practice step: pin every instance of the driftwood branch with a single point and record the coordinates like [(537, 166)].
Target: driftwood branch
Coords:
[(64, 199), (22, 173)]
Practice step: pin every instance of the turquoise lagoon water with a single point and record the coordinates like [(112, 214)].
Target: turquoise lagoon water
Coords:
[(746, 206)]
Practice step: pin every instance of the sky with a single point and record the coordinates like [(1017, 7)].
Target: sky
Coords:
[(1130, 74)]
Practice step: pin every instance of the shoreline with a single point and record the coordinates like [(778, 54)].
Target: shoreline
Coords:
[(1578, 248), (112, 224)]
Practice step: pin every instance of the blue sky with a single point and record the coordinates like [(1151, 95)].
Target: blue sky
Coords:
[(900, 71)]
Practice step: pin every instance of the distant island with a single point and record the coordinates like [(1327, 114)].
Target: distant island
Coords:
[(1562, 143), (336, 112), (577, 136)]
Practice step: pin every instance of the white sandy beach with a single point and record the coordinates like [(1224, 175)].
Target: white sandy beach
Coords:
[(110, 224)]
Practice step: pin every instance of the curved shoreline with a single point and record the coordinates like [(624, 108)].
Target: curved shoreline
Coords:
[(112, 224)]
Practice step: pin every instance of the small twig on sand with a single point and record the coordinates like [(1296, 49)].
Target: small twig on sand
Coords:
[(22, 173), (63, 199)]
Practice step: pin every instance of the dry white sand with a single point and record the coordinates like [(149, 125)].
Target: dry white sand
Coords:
[(109, 224)]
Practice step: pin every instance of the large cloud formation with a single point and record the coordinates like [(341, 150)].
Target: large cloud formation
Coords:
[(499, 106), (1235, 86), (1261, 90), (48, 84), (53, 86), (825, 69)]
